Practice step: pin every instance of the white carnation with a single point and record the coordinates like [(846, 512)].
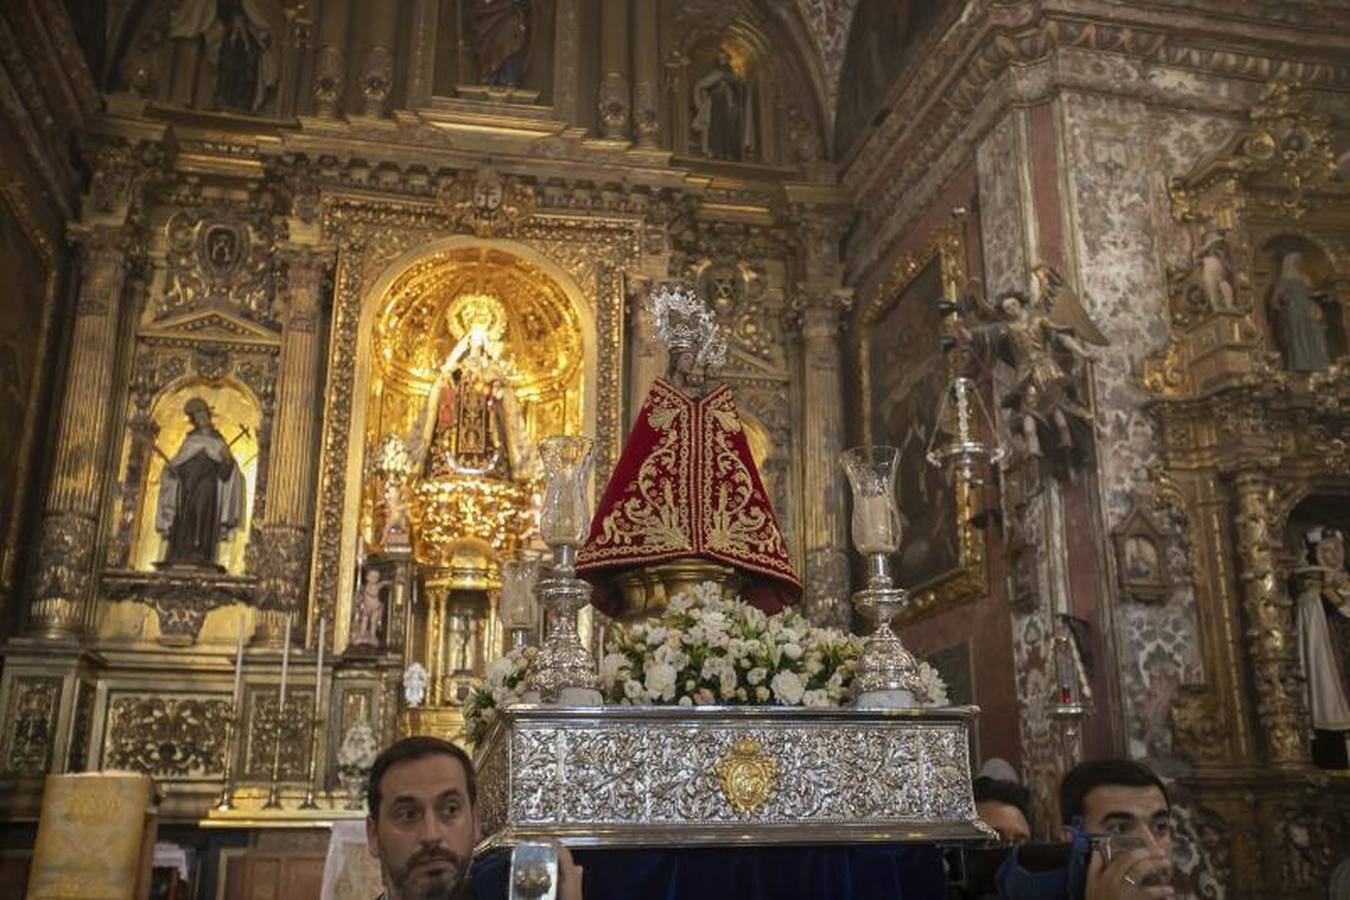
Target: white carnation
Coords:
[(660, 681)]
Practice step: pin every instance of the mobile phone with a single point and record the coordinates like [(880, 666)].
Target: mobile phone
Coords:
[(534, 872), (1111, 846)]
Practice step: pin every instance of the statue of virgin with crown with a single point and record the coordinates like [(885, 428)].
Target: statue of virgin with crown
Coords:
[(686, 502)]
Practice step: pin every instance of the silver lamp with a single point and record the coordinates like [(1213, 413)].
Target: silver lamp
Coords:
[(563, 672), (887, 674)]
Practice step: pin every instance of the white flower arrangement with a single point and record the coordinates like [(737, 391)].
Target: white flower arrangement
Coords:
[(706, 650), (503, 684)]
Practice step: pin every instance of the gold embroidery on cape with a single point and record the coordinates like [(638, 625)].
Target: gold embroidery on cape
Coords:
[(656, 511), (732, 523)]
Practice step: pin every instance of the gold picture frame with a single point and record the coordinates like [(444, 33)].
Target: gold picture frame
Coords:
[(942, 558)]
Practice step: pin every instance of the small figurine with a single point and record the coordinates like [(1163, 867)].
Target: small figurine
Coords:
[(415, 683), (368, 610)]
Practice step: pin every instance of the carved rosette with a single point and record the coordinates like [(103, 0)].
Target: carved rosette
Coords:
[(1270, 630)]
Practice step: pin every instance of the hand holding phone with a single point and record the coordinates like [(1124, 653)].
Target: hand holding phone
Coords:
[(1128, 867)]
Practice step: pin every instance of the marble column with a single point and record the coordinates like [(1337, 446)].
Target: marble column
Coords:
[(67, 554), (647, 90), (615, 105), (827, 569), (1270, 632), (377, 60), (285, 533), (330, 60)]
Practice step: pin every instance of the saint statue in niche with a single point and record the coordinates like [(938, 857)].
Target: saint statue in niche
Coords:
[(1323, 612), (368, 609), (1300, 316), (238, 44), (503, 40), (201, 495), (470, 423), (722, 113)]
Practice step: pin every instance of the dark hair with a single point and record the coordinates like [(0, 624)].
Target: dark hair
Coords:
[(419, 746), (1083, 777), (1009, 793)]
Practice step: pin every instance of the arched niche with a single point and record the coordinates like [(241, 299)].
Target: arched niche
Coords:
[(1318, 269), (783, 113), (236, 414), (404, 334)]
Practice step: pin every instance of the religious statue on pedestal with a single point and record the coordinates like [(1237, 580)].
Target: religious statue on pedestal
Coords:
[(686, 487), (1045, 401), (1323, 605), (1302, 326), (368, 610), (470, 424), (238, 43), (503, 40), (201, 495), (722, 113)]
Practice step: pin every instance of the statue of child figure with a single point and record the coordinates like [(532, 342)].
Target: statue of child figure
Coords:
[(368, 610)]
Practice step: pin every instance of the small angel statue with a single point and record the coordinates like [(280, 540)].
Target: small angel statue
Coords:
[(415, 681), (1038, 337)]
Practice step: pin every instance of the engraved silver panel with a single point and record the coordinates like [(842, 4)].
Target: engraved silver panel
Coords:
[(642, 775)]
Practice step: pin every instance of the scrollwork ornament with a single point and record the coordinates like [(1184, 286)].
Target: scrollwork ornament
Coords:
[(169, 737), (31, 724)]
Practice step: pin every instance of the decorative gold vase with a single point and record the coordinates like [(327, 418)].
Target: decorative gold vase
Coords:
[(647, 589)]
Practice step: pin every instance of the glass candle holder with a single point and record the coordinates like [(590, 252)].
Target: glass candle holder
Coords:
[(518, 609), (871, 475), (565, 516)]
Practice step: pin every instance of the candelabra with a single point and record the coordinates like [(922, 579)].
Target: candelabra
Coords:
[(563, 672), (960, 405), (887, 673), (225, 802), (277, 726)]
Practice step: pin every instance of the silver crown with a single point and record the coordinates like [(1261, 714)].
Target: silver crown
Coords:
[(682, 322)]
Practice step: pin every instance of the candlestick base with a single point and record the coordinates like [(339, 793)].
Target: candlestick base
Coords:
[(888, 674), (563, 666)]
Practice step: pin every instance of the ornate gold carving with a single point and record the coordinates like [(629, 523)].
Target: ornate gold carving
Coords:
[(30, 725), (170, 737), (182, 600), (265, 724), (486, 203), (748, 776)]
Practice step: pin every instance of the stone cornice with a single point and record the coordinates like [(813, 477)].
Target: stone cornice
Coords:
[(1006, 54)]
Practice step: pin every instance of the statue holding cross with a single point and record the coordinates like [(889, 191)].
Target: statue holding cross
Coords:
[(201, 495)]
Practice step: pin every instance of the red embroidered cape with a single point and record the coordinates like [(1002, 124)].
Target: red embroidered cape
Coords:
[(687, 486)]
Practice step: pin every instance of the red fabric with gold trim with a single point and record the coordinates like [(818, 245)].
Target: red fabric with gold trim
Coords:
[(687, 486)]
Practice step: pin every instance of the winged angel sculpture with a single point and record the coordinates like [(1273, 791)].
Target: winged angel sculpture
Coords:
[(1041, 336)]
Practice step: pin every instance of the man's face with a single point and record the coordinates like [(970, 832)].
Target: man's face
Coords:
[(1137, 811), (426, 830), (1007, 820)]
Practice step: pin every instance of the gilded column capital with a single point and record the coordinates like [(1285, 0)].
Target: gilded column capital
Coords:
[(306, 267), (819, 310)]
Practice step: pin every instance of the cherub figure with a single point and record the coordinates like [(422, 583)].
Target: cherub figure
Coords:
[(1043, 349), (368, 610)]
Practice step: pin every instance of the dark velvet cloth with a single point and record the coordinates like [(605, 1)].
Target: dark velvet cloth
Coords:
[(860, 872)]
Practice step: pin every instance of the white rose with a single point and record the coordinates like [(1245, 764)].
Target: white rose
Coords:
[(612, 665), (762, 694), (632, 691), (660, 681), (788, 688), (685, 701), (792, 651), (757, 675)]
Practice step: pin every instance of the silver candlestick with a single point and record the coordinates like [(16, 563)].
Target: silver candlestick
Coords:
[(563, 671), (888, 675)]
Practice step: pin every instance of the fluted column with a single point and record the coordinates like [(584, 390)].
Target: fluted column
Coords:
[(67, 557), (1270, 626), (615, 106), (827, 572), (330, 58), (647, 90), (284, 542)]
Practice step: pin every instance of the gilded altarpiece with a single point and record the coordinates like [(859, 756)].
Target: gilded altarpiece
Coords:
[(1253, 443)]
